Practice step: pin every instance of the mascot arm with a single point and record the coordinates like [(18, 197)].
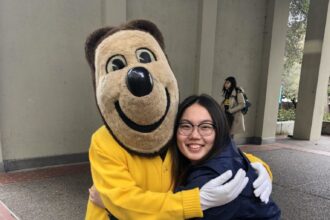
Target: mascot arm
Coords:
[(126, 200), (253, 159)]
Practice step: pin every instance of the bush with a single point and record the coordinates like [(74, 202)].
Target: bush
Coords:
[(290, 114), (326, 116), (286, 114)]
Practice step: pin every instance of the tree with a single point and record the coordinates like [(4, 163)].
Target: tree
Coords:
[(297, 23)]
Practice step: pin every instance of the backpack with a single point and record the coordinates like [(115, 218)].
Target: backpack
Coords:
[(247, 102)]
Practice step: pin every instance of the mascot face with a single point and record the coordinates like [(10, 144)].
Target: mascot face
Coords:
[(136, 91)]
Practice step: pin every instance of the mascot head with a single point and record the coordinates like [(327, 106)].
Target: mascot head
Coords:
[(136, 90)]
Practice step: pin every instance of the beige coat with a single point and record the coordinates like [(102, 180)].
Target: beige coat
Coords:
[(235, 106)]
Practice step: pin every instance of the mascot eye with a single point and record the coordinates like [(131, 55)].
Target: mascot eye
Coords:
[(145, 56), (115, 62)]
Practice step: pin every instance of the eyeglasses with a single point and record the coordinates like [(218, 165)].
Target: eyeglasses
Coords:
[(204, 129)]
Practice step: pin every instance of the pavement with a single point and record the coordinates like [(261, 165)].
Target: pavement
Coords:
[(46, 194), (301, 185)]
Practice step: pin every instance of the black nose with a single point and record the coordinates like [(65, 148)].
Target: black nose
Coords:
[(139, 81)]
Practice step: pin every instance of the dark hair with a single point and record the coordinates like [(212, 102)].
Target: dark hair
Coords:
[(222, 135), (233, 86)]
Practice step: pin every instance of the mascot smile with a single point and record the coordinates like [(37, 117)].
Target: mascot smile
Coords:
[(136, 90)]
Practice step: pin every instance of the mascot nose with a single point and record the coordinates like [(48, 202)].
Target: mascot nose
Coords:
[(139, 81)]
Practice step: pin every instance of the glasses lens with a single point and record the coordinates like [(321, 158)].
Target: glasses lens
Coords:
[(185, 128), (205, 129)]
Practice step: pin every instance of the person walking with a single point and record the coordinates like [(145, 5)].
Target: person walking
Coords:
[(232, 104)]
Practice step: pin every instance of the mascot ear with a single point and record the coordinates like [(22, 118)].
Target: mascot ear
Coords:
[(92, 42), (148, 27), (97, 36)]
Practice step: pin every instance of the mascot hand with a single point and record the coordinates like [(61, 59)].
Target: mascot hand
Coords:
[(263, 184), (216, 193)]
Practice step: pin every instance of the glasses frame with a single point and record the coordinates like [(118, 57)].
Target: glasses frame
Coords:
[(193, 126)]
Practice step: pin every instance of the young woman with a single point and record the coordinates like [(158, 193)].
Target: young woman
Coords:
[(232, 105), (205, 150)]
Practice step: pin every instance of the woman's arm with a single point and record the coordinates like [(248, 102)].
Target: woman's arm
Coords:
[(95, 197)]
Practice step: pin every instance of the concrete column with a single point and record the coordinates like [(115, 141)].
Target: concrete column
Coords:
[(113, 12), (207, 45), (272, 67), (314, 73)]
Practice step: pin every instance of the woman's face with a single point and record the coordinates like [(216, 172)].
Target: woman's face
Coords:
[(195, 146), (227, 84)]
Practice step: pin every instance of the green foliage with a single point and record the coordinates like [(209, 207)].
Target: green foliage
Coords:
[(297, 23), (326, 116), (290, 81), (286, 114), (290, 115)]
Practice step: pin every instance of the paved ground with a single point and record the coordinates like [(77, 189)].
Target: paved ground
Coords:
[(301, 184), (301, 177), (47, 194)]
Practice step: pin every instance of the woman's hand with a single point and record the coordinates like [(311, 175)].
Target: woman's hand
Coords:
[(216, 193), (95, 197), (263, 184)]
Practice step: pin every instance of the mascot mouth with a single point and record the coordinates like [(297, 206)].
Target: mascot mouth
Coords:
[(143, 128)]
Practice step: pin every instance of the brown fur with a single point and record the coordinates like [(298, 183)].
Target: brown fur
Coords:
[(97, 36), (159, 105)]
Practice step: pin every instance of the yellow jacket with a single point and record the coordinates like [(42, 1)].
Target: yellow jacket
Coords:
[(135, 187)]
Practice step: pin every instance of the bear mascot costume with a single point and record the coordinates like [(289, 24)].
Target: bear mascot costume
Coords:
[(137, 96)]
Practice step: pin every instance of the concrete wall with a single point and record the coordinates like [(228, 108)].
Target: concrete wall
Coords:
[(238, 52), (284, 127), (47, 107), (46, 98), (249, 43), (179, 23)]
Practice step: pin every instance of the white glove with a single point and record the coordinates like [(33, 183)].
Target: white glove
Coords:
[(216, 193), (263, 184)]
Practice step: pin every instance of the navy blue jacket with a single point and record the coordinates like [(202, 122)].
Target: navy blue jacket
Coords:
[(246, 205)]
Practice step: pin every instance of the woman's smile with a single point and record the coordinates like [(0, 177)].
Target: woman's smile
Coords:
[(194, 147), (195, 136)]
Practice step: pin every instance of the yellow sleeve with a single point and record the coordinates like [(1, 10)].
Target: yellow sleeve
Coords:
[(95, 212), (126, 200), (253, 159)]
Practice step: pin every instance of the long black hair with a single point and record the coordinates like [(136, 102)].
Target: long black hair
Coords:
[(222, 135), (233, 86)]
